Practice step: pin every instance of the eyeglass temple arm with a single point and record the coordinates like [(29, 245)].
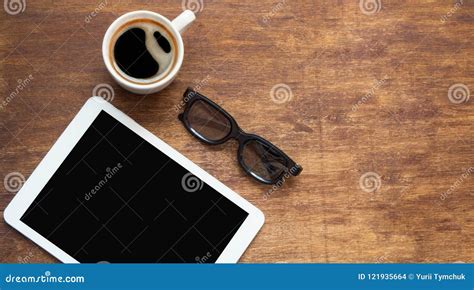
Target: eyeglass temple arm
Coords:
[(263, 152), (294, 170)]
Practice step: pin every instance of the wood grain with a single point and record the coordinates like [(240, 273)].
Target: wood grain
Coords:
[(369, 93)]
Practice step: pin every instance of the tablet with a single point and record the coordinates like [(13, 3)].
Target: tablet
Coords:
[(110, 191)]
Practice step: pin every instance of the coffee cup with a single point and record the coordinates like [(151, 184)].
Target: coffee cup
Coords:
[(143, 50)]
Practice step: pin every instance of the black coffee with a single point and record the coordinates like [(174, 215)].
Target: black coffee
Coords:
[(144, 51)]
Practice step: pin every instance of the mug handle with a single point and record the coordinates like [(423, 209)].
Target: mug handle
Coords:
[(183, 20)]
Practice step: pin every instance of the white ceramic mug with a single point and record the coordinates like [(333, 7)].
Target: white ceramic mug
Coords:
[(175, 28)]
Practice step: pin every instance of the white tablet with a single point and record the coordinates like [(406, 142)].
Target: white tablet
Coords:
[(111, 191)]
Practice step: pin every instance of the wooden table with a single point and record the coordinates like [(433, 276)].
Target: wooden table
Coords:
[(362, 94)]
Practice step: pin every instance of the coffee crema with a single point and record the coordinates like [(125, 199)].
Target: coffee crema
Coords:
[(143, 51)]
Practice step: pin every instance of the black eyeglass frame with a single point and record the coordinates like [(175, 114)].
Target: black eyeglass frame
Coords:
[(191, 96)]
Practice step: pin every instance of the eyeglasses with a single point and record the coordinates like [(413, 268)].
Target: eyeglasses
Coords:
[(212, 125)]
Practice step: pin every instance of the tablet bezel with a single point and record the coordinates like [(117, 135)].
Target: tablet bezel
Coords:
[(68, 140)]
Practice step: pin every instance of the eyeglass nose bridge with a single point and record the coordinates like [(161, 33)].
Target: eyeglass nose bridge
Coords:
[(240, 135)]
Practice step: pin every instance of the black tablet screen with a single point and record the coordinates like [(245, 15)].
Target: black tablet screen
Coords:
[(118, 199)]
